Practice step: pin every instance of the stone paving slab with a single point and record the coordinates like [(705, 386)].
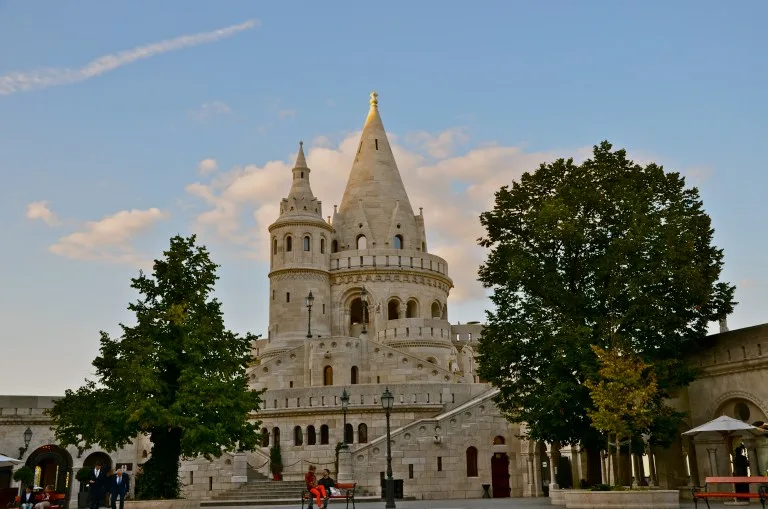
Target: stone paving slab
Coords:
[(479, 503)]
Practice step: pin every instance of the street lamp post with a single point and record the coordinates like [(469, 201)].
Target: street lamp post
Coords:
[(387, 400), (344, 407), (309, 301), (364, 302), (27, 440)]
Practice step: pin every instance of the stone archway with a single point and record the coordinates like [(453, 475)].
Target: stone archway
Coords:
[(52, 466)]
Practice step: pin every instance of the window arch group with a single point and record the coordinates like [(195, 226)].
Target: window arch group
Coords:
[(311, 435), (411, 309)]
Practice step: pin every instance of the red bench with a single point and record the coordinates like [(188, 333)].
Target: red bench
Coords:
[(56, 500), (347, 492), (702, 493)]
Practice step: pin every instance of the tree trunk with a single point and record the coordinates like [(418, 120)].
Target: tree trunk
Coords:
[(159, 477), (618, 461)]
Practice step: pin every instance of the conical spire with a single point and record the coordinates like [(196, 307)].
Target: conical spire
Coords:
[(375, 196), (301, 161), (300, 200)]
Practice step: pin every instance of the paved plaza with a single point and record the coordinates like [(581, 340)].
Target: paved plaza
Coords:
[(477, 503)]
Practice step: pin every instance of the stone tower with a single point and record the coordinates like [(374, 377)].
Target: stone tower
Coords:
[(380, 245), (299, 260)]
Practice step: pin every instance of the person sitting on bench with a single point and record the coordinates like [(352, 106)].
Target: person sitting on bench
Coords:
[(328, 483), (314, 489), (27, 500)]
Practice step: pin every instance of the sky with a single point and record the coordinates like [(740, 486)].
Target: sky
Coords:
[(125, 123)]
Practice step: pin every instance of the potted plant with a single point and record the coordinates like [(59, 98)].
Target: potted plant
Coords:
[(24, 475), (83, 475), (276, 462)]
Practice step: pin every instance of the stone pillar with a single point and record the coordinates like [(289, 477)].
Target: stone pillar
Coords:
[(239, 467), (529, 489), (712, 455), (346, 471), (554, 457), (651, 468)]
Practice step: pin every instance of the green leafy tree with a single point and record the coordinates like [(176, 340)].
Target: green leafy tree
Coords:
[(177, 375), (624, 396), (581, 253), (25, 476)]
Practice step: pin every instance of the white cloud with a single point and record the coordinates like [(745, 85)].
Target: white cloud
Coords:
[(440, 145), (207, 166), (210, 110), (286, 113), (243, 202), (39, 210), (34, 80), (109, 239)]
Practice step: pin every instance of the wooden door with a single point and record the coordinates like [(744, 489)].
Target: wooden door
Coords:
[(500, 475)]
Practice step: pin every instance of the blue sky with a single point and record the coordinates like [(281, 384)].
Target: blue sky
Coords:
[(473, 94)]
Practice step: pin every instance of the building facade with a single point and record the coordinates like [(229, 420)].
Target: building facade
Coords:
[(378, 318)]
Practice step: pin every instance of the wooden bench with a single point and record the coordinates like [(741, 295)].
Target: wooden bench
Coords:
[(702, 493), (347, 492), (57, 500)]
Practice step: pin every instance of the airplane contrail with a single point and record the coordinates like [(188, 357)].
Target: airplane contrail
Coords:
[(43, 78)]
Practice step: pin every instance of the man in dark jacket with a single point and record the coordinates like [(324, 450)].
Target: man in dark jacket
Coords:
[(97, 486), (119, 487)]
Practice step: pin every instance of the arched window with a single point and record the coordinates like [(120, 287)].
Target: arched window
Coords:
[(499, 440), (398, 242), (349, 433), (392, 309), (412, 309), (322, 245), (264, 437), (327, 375), (445, 311), (362, 242), (356, 312), (435, 309), (307, 243), (335, 246), (324, 434), (354, 376), (362, 434), (311, 435), (298, 436), (275, 436), (288, 244), (274, 246), (471, 461)]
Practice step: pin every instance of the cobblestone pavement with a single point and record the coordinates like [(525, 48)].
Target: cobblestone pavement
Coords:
[(497, 503)]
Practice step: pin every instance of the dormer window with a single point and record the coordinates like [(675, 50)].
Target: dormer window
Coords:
[(398, 242)]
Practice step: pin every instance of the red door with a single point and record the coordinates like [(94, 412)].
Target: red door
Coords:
[(500, 475)]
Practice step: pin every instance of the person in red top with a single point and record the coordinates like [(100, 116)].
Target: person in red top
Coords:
[(314, 489)]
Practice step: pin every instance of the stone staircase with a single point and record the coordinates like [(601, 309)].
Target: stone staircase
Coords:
[(261, 487)]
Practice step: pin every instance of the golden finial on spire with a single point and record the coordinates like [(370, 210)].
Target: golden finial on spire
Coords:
[(374, 99)]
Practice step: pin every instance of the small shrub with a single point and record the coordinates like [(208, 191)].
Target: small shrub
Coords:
[(584, 484), (601, 487)]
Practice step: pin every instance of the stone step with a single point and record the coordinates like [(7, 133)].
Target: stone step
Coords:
[(286, 501)]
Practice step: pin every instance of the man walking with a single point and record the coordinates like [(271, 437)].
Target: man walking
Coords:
[(97, 486), (120, 487)]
